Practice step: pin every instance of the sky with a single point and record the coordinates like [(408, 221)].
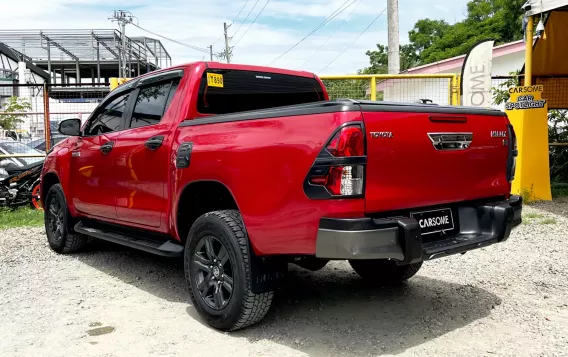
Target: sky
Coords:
[(280, 26)]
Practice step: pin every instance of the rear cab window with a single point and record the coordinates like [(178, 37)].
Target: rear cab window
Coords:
[(223, 91)]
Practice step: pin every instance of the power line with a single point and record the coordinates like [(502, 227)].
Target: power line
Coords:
[(328, 19), (252, 23), (242, 22), (333, 33), (232, 22), (241, 10), (206, 50), (361, 34)]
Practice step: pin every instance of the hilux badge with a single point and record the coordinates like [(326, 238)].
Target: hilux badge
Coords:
[(498, 134)]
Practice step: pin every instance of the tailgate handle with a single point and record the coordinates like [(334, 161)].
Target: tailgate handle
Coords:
[(448, 119), (451, 141)]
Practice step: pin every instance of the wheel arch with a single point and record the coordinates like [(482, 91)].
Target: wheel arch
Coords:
[(197, 198), (47, 181)]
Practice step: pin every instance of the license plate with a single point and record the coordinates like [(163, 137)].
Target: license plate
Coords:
[(434, 221)]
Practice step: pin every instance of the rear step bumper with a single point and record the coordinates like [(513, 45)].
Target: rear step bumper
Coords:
[(400, 239)]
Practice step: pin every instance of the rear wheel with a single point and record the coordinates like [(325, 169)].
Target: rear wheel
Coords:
[(216, 262), (35, 202), (384, 271), (59, 223)]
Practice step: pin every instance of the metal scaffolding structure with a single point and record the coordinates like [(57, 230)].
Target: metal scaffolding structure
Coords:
[(85, 56)]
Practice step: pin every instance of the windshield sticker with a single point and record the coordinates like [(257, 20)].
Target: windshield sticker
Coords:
[(215, 80)]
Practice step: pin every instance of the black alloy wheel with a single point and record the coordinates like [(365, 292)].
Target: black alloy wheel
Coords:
[(59, 223), (54, 217), (213, 272), (218, 272)]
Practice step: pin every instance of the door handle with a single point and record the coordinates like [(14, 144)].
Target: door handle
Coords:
[(154, 142), (107, 147)]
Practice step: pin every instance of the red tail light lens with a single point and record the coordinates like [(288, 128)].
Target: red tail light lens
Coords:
[(345, 180), (349, 141)]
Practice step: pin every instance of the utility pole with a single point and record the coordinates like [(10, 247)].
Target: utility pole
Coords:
[(123, 18), (227, 49), (394, 44), (211, 52)]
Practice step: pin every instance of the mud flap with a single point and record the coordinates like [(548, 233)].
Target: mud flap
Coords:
[(267, 273)]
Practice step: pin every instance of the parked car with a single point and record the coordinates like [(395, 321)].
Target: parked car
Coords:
[(39, 144), (16, 135), (241, 170)]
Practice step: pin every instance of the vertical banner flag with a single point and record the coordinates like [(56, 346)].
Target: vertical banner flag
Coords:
[(476, 76)]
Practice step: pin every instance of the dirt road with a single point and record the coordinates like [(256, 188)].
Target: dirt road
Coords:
[(506, 300)]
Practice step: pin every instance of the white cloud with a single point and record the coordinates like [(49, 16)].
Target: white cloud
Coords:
[(282, 24)]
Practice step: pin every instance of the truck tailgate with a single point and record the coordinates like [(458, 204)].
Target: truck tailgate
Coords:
[(419, 159)]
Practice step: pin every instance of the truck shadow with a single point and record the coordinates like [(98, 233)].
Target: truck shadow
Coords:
[(333, 313), (327, 313)]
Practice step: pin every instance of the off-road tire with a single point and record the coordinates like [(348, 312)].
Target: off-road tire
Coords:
[(244, 308), (65, 241), (384, 272)]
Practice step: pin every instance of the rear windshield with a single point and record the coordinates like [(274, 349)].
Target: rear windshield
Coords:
[(230, 91)]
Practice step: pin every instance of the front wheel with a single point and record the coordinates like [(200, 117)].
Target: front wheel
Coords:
[(216, 265), (385, 272), (59, 223)]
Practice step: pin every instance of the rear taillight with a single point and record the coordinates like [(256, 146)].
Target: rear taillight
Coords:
[(513, 153), (348, 141), (339, 170)]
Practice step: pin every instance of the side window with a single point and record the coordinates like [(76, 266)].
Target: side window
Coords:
[(152, 103), (173, 91), (109, 118)]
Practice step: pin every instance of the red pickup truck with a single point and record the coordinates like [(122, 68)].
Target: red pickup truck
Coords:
[(241, 170)]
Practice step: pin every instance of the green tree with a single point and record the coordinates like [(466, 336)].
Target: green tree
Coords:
[(9, 121), (498, 20), (436, 40), (426, 32), (378, 59), (558, 133)]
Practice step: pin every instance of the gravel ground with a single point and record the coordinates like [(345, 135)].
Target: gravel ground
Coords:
[(509, 299)]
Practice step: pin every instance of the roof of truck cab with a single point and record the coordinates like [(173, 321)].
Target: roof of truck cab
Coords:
[(218, 65), (246, 67), (241, 67)]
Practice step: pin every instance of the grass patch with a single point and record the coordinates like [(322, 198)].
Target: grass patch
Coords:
[(548, 221), (532, 215), (22, 217), (559, 190)]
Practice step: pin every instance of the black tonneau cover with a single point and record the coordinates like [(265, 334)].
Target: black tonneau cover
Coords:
[(340, 105)]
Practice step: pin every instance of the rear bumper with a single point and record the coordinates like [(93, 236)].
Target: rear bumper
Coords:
[(400, 239)]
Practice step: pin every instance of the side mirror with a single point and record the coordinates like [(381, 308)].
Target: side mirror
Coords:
[(70, 127)]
